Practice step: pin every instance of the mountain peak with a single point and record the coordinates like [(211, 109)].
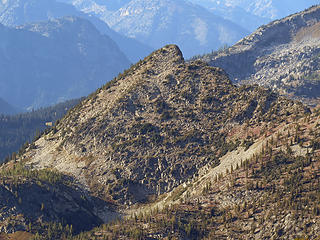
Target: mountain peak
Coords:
[(145, 124), (154, 127), (169, 53)]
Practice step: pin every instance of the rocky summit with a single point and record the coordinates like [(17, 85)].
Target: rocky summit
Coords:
[(283, 55), (153, 127), (159, 135)]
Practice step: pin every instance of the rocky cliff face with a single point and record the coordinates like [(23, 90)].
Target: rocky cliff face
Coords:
[(153, 127), (283, 55)]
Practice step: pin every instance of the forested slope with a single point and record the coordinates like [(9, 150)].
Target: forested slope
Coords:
[(15, 130)]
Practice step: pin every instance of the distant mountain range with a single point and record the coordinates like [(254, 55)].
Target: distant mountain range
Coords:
[(138, 26), (20, 12), (251, 14), (283, 55), (234, 13), (99, 8), (271, 9), (160, 22), (48, 62)]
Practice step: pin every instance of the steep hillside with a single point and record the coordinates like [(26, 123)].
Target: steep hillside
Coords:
[(43, 201), (16, 130), (6, 108), (21, 12), (283, 55), (146, 137), (161, 22), (163, 115), (62, 59), (270, 192)]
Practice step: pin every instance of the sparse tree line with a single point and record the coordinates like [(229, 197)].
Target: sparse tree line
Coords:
[(18, 130)]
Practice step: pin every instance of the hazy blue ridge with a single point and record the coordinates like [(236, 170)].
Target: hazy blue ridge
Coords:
[(253, 13), (49, 62), (20, 12), (161, 22)]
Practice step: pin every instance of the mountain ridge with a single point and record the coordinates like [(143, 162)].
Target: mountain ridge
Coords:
[(282, 55), (151, 105), (192, 27), (263, 8), (19, 12), (150, 142), (68, 50)]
